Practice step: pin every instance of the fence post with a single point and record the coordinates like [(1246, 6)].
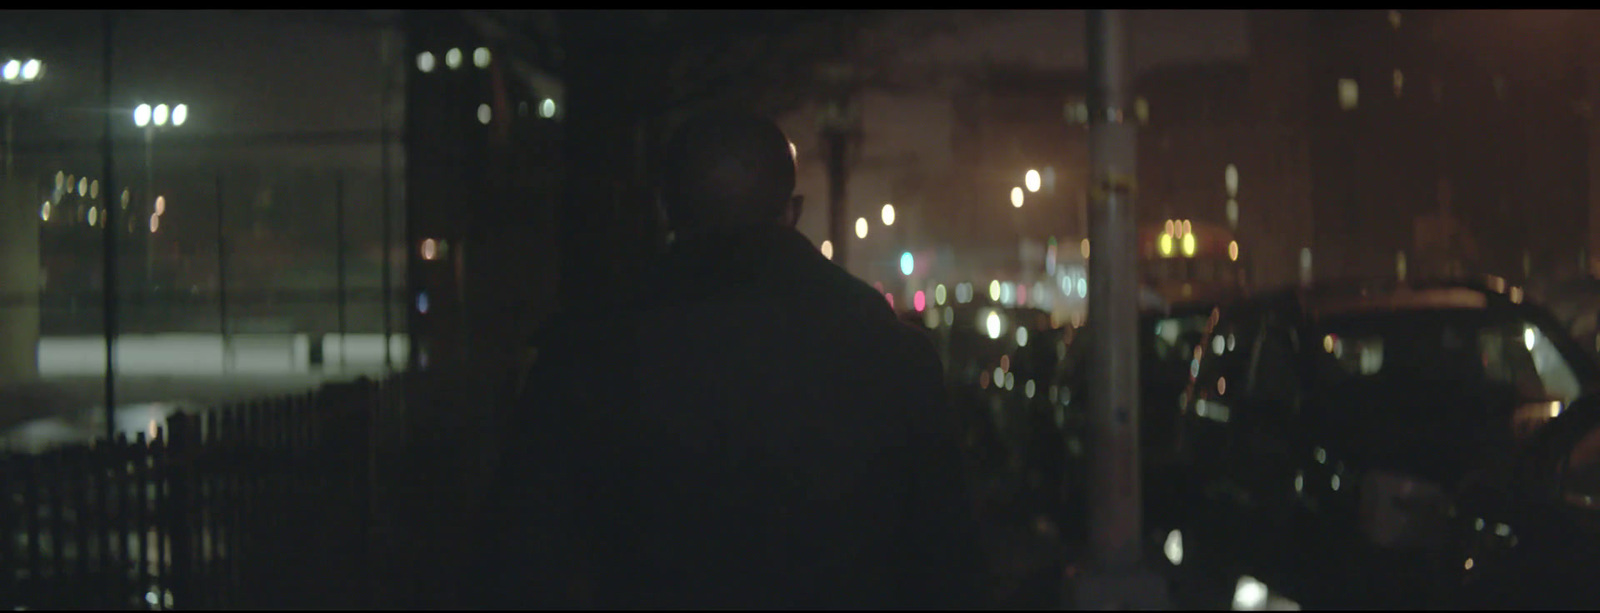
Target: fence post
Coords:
[(55, 477), (179, 518), (10, 556), (140, 455)]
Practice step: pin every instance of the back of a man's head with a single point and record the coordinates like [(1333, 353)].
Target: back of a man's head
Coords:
[(727, 170)]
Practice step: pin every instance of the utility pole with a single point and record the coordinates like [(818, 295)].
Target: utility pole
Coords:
[(1116, 577), (838, 128), (108, 247)]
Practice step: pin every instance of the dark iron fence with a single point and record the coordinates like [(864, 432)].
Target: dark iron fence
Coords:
[(260, 505)]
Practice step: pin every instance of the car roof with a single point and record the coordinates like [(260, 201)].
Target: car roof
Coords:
[(1350, 297)]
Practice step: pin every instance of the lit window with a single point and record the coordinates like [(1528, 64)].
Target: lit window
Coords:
[(1349, 94), (1394, 19), (1141, 110)]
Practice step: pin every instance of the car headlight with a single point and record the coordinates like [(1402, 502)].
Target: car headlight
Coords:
[(1402, 512)]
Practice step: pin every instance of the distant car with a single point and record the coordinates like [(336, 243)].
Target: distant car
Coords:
[(1335, 439)]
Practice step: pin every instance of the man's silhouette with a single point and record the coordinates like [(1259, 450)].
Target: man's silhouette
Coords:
[(757, 431)]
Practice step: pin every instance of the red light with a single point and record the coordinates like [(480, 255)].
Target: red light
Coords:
[(890, 297), (919, 301)]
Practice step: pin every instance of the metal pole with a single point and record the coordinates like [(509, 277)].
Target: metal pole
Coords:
[(150, 184), (837, 144), (1116, 578), (383, 200), (222, 280), (109, 241), (338, 223)]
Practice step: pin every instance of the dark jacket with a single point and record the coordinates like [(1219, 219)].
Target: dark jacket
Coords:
[(758, 431)]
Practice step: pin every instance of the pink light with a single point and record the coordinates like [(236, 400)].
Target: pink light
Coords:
[(1022, 294), (879, 285), (891, 299), (919, 301)]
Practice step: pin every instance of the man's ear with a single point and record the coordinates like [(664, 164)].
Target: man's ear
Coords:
[(796, 205)]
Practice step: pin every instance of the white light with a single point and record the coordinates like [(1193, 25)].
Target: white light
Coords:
[(155, 223), (1334, 483), (94, 188), (861, 227), (888, 214), (827, 249), (1022, 336), (44, 212), (159, 116), (1299, 483), (1218, 345), (1174, 547), (161, 205), (1349, 94), (547, 109), (1083, 287), (452, 58), (94, 215), (994, 290), (12, 70), (1016, 197), (141, 115), (794, 154), (180, 114), (1230, 180), (484, 114), (425, 61), (939, 295), (1249, 594), (1529, 338), (30, 70), (1032, 180), (992, 323), (83, 186), (480, 57)]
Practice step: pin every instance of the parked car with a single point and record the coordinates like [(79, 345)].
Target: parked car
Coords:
[(1338, 441)]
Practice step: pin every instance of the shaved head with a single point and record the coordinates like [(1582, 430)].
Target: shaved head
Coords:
[(727, 170)]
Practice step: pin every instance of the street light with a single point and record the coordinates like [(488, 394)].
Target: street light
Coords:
[(152, 119), (861, 227), (1032, 180), (17, 72), (1016, 197), (888, 214)]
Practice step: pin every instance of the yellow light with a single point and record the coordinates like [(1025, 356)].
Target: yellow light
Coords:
[(994, 290), (1032, 180), (1188, 245), (1165, 243), (861, 227), (1327, 343), (1349, 94), (888, 214), (1016, 197), (430, 249), (161, 205), (939, 295), (155, 223), (44, 212), (1083, 248), (1233, 251), (827, 249)]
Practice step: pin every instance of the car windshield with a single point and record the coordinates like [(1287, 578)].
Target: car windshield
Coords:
[(1462, 347)]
